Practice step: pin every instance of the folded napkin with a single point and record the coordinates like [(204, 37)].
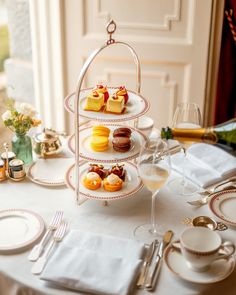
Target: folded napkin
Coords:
[(213, 158), (205, 164), (95, 263)]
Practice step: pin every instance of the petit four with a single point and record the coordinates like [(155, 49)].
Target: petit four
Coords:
[(119, 171), (121, 144), (122, 132), (92, 181), (123, 92), (103, 90), (115, 104), (99, 169), (99, 143), (100, 131), (112, 183), (94, 101)]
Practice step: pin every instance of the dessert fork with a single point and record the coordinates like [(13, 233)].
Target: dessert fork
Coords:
[(37, 250), (204, 200), (57, 237)]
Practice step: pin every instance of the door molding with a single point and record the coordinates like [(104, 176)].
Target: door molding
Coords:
[(213, 61)]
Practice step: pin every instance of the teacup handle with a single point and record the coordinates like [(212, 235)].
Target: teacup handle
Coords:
[(225, 245)]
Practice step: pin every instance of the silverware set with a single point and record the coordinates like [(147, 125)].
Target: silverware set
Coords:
[(217, 188), (41, 252), (152, 263)]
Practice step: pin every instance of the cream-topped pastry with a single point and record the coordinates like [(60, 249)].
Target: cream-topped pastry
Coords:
[(112, 183), (112, 178), (92, 181)]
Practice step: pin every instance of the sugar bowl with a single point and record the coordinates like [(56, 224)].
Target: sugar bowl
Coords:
[(46, 143)]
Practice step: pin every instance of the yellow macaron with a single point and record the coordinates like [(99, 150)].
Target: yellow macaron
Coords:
[(99, 143), (100, 131)]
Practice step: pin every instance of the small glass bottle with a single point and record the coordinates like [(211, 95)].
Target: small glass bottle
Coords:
[(22, 147)]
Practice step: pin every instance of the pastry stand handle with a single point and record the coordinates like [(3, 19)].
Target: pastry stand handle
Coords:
[(111, 27)]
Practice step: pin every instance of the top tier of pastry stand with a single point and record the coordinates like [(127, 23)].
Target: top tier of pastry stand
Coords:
[(80, 94)]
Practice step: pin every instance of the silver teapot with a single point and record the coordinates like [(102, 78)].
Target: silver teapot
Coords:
[(47, 142)]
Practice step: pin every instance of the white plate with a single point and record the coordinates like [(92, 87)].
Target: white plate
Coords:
[(131, 185), (223, 206), (19, 230), (110, 155), (218, 271), (137, 106), (49, 172)]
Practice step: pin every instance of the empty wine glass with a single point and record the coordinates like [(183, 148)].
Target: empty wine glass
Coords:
[(186, 116), (154, 170)]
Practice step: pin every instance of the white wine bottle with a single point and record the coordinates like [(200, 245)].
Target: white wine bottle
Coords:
[(223, 134)]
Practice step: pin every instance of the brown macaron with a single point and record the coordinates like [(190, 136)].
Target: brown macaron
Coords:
[(121, 144), (122, 132)]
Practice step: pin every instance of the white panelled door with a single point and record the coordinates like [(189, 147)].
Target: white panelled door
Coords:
[(171, 38)]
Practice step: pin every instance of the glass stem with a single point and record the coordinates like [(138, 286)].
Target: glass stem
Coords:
[(153, 213), (183, 173)]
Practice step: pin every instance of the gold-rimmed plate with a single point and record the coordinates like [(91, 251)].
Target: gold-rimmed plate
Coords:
[(110, 155), (137, 106), (131, 186), (20, 229)]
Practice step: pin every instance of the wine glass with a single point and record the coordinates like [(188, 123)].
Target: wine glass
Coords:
[(187, 116), (154, 170)]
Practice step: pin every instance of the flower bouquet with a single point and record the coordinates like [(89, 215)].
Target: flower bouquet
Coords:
[(20, 118)]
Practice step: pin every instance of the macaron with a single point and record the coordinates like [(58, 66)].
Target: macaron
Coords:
[(99, 143), (122, 132), (100, 131), (121, 144)]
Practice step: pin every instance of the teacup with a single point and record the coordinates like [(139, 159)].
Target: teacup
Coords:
[(201, 246), (145, 125)]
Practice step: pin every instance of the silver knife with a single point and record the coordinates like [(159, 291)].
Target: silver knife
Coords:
[(152, 278), (146, 263)]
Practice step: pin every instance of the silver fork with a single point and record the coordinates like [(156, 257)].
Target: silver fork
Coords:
[(57, 237), (204, 200), (214, 188), (37, 250)]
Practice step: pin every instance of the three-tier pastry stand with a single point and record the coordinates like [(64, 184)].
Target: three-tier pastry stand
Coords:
[(79, 142)]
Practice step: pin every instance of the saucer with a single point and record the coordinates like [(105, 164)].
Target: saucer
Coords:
[(219, 270)]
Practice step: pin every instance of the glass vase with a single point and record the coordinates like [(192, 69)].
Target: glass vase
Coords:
[(22, 147)]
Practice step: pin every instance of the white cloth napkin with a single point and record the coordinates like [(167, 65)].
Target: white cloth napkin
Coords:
[(205, 164), (213, 157), (95, 263)]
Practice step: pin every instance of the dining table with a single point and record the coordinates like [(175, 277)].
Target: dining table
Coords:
[(118, 218)]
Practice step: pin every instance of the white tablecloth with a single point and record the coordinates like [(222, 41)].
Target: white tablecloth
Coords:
[(119, 218)]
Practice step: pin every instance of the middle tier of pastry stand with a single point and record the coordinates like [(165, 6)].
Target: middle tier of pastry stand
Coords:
[(79, 142)]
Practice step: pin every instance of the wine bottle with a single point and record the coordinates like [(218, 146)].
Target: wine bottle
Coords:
[(223, 134)]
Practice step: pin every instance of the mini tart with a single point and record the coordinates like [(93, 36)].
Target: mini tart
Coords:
[(123, 92), (103, 90), (112, 183), (99, 143), (99, 169), (92, 181), (100, 131)]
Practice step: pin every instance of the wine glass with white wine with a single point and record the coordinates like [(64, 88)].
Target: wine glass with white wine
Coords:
[(154, 170), (187, 116)]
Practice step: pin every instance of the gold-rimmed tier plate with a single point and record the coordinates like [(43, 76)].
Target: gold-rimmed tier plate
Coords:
[(110, 155), (137, 106), (131, 185)]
